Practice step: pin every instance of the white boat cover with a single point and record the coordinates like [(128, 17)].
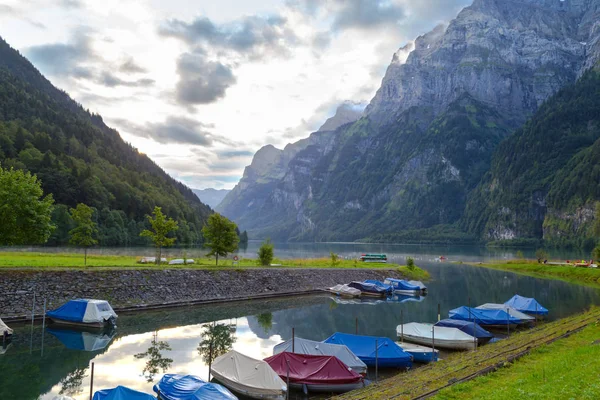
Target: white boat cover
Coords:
[(441, 332), (4, 328), (511, 311), (181, 261), (342, 352), (345, 290), (247, 375), (419, 284)]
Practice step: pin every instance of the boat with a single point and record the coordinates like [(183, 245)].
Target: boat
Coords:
[(420, 285), (388, 354), (468, 327), (181, 261), (368, 289), (81, 340), (525, 319), (84, 313), (305, 346), (190, 387), (311, 373), (344, 291), (388, 288), (403, 298), (247, 376), (373, 258), (420, 354), (5, 331), (400, 286), (485, 318), (121, 393), (438, 337), (371, 301), (527, 305)]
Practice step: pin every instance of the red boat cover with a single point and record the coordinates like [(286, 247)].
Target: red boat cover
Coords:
[(312, 369)]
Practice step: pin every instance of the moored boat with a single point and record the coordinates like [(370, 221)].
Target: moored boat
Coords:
[(388, 288), (247, 376), (400, 286), (485, 317), (373, 350), (468, 327), (420, 354), (436, 336), (368, 289), (420, 284), (524, 318), (344, 291), (86, 313), (342, 352), (373, 258), (527, 305), (190, 387), (312, 373), (121, 393)]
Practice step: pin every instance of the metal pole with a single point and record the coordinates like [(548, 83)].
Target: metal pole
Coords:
[(376, 358), (356, 326), (439, 313), (43, 326), (92, 382), (293, 340), (536, 313), (401, 326), (33, 309), (433, 342), (507, 322), (209, 359), (288, 379)]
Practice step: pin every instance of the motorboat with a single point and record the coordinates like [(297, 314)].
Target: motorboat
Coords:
[(468, 327), (420, 354), (344, 291), (190, 387), (84, 313), (420, 284), (121, 393), (312, 373), (400, 286), (305, 346), (485, 317), (525, 319), (247, 376), (373, 258), (388, 289), (372, 350), (527, 305), (368, 289), (436, 336)]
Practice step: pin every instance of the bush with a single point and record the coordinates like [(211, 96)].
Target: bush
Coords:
[(265, 253), (596, 253), (410, 263), (520, 255), (335, 258), (541, 255)]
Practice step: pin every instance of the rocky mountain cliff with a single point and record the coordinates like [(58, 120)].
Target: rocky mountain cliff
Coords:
[(426, 139)]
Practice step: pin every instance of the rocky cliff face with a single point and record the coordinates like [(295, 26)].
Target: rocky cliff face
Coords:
[(426, 139)]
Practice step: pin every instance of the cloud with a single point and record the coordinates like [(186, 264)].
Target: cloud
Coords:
[(366, 14), (180, 130), (9, 11), (129, 66), (110, 80), (235, 153), (71, 3), (201, 81)]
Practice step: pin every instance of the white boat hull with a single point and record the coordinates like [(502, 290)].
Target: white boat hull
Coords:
[(441, 343), (247, 391), (408, 292), (326, 388)]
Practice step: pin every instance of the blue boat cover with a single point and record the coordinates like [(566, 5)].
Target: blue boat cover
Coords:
[(526, 305), (73, 310), (467, 327), (121, 393), (389, 354), (190, 387), (381, 285), (401, 284), (368, 287), (78, 340), (402, 298), (483, 316)]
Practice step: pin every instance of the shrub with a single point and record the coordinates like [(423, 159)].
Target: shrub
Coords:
[(596, 253), (335, 258), (265, 253), (541, 255), (410, 263), (520, 255)]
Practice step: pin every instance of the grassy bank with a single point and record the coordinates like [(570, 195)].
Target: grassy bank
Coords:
[(59, 261), (578, 275), (565, 369), (459, 367)]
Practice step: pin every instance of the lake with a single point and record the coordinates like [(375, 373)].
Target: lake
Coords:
[(42, 364)]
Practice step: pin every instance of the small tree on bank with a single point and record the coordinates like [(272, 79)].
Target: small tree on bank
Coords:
[(220, 236), (266, 253), (85, 230), (161, 227), (541, 255)]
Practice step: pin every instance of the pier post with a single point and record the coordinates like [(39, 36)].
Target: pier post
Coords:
[(356, 326), (507, 322), (92, 382), (287, 394), (376, 358), (439, 312), (433, 343), (293, 340), (43, 327), (401, 326)]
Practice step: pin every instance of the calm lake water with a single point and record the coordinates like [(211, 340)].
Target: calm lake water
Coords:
[(41, 364)]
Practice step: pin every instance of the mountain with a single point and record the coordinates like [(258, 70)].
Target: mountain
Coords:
[(81, 160), (211, 197), (426, 140)]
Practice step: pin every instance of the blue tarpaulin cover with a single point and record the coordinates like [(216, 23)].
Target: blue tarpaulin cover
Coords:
[(526, 305), (73, 310), (389, 354), (81, 340), (190, 387), (368, 288), (483, 316), (401, 284), (466, 327), (381, 285), (121, 393)]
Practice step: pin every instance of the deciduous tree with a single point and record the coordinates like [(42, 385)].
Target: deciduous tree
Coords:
[(220, 235), (161, 227), (85, 231)]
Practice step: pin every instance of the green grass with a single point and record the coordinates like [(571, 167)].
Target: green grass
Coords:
[(578, 275), (565, 369)]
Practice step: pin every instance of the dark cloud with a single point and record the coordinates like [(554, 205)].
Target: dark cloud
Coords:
[(173, 130), (366, 14), (251, 36), (110, 80), (201, 81), (129, 66)]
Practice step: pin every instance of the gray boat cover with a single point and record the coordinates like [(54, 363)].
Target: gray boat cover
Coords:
[(4, 328), (511, 311), (248, 375), (342, 352), (441, 333)]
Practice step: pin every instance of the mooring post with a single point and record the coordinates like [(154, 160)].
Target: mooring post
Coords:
[(287, 394), (92, 382), (432, 342), (376, 358), (401, 326), (43, 326), (210, 358), (356, 326), (33, 309), (439, 312), (293, 340), (507, 322), (536, 313)]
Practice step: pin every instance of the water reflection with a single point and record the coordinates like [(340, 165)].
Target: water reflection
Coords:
[(156, 361), (217, 339), (71, 384)]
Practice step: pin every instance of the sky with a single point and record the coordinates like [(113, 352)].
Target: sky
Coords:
[(200, 85)]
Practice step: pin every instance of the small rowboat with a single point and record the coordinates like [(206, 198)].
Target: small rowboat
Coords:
[(344, 291), (420, 354), (438, 336)]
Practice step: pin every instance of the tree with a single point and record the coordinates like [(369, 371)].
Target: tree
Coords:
[(161, 227), (25, 213), (265, 253), (244, 237), (541, 255), (216, 341), (220, 235), (85, 229), (410, 263), (335, 258)]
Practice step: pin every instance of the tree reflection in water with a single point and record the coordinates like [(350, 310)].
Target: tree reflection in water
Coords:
[(217, 339), (265, 320), (156, 361), (71, 384)]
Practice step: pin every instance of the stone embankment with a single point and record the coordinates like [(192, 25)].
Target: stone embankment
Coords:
[(145, 288)]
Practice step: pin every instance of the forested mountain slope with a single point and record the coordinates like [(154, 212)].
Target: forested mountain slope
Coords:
[(81, 160)]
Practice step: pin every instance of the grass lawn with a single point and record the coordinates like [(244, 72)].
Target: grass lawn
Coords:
[(579, 275), (61, 261), (566, 369)]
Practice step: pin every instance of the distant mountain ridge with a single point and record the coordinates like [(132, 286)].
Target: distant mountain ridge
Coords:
[(426, 140), (211, 197)]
